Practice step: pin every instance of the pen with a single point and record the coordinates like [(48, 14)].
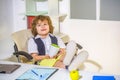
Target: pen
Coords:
[(37, 74), (34, 72)]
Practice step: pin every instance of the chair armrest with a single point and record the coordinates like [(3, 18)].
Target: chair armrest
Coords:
[(79, 46), (28, 56)]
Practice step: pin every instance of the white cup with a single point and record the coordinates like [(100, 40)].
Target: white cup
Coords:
[(53, 50)]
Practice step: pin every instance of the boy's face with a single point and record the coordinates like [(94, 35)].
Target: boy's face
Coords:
[(42, 27)]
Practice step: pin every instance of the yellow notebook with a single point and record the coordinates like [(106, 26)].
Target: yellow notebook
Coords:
[(48, 62)]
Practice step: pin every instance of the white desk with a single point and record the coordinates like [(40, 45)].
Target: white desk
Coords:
[(61, 74)]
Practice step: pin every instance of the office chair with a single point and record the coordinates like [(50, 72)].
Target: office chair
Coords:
[(21, 38)]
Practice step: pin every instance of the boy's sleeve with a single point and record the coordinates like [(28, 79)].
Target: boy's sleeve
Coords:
[(32, 47)]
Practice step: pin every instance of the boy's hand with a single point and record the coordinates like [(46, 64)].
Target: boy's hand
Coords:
[(47, 56)]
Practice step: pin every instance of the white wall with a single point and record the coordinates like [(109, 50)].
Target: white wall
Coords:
[(20, 19), (6, 28), (100, 38), (6, 18)]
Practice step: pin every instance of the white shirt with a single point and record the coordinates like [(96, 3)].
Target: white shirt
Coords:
[(32, 46)]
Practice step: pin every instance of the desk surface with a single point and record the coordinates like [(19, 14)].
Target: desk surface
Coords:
[(61, 74)]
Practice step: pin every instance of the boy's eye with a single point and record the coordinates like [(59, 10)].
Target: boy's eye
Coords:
[(45, 24), (39, 25)]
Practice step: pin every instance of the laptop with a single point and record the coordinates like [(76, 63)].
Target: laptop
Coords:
[(8, 68)]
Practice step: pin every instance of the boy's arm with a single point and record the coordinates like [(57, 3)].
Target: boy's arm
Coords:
[(39, 57)]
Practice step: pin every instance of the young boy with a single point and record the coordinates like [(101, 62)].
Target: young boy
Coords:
[(39, 45)]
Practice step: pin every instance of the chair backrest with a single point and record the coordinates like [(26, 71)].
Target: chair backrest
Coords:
[(21, 39)]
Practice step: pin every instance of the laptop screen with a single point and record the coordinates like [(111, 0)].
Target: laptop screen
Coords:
[(8, 68)]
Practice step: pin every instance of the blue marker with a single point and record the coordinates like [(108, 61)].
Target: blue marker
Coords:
[(34, 72), (40, 77)]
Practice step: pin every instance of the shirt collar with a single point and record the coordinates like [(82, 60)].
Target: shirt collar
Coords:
[(38, 36)]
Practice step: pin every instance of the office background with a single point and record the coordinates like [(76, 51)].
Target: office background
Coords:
[(101, 38)]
